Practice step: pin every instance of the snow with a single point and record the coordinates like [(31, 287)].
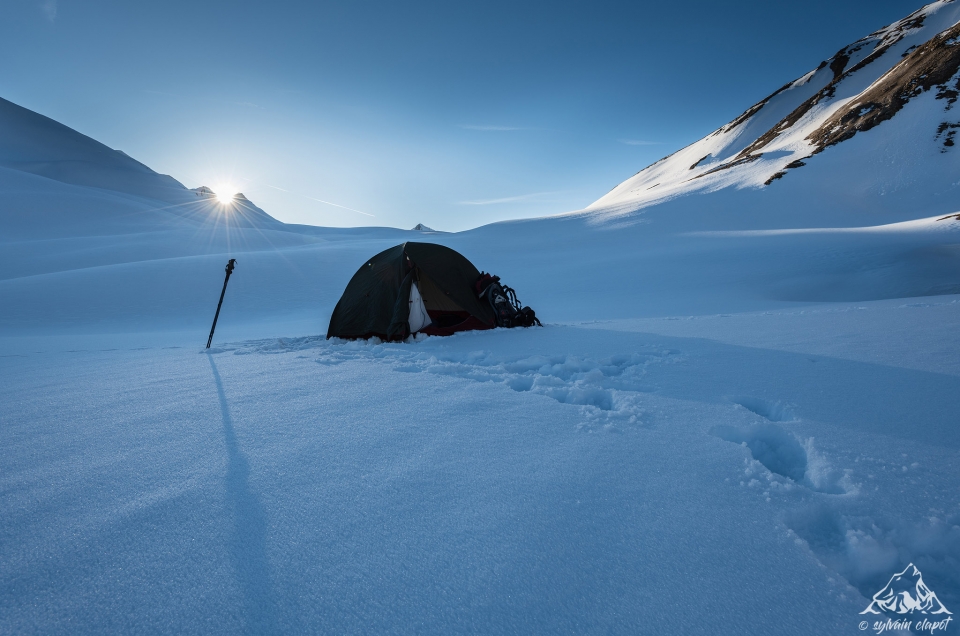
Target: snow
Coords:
[(901, 154), (570, 478), (38, 145), (628, 466), (740, 414)]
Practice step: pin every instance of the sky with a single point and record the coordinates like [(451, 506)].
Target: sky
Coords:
[(391, 114)]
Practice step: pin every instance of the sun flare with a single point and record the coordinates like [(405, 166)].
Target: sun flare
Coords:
[(226, 193)]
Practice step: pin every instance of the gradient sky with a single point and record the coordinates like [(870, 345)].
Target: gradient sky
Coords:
[(450, 114)]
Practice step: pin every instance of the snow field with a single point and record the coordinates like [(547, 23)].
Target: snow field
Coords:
[(883, 463), (585, 478)]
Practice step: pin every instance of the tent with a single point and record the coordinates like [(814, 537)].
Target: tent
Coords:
[(411, 288)]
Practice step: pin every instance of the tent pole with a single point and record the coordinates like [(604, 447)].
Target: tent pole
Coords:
[(229, 270)]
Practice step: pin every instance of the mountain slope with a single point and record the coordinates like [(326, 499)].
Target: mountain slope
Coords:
[(32, 143), (895, 88), (99, 190)]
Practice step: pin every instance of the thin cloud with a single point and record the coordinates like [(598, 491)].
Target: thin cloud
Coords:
[(49, 9), (336, 205), (523, 197), (491, 128), (639, 142)]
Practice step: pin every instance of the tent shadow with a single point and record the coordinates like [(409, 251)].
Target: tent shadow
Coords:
[(247, 543)]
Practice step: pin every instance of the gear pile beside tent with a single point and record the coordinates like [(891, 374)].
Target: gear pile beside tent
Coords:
[(421, 288)]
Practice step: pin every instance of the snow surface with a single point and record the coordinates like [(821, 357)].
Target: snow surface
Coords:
[(739, 417), (763, 471)]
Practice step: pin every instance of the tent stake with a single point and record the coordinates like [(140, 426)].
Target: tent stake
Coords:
[(217, 315)]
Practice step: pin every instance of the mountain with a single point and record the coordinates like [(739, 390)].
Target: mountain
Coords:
[(55, 181), (906, 593), (870, 129), (32, 143), (240, 205)]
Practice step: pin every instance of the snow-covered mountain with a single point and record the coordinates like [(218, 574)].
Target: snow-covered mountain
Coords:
[(239, 205), (32, 143), (870, 129), (55, 181)]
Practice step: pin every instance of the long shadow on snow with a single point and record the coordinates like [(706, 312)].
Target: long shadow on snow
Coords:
[(248, 543)]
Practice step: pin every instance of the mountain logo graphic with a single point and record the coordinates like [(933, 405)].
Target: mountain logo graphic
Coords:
[(906, 593)]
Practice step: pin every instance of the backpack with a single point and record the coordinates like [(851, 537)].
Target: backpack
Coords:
[(503, 300)]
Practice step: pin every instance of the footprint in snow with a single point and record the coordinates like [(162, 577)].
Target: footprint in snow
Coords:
[(607, 391), (782, 453)]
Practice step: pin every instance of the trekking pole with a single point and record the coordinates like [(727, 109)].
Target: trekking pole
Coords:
[(217, 315)]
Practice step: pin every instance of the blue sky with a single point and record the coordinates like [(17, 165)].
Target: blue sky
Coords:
[(449, 114)]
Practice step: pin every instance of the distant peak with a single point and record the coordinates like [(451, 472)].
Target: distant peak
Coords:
[(420, 227), (208, 192)]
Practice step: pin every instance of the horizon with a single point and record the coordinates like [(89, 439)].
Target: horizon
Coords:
[(454, 118)]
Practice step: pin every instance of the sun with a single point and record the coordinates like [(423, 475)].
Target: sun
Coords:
[(226, 193)]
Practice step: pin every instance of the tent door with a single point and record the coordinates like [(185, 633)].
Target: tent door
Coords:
[(419, 318)]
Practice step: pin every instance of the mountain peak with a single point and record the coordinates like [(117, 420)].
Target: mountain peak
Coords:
[(243, 207), (899, 83)]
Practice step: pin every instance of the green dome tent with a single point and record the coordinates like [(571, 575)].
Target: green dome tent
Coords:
[(410, 288)]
